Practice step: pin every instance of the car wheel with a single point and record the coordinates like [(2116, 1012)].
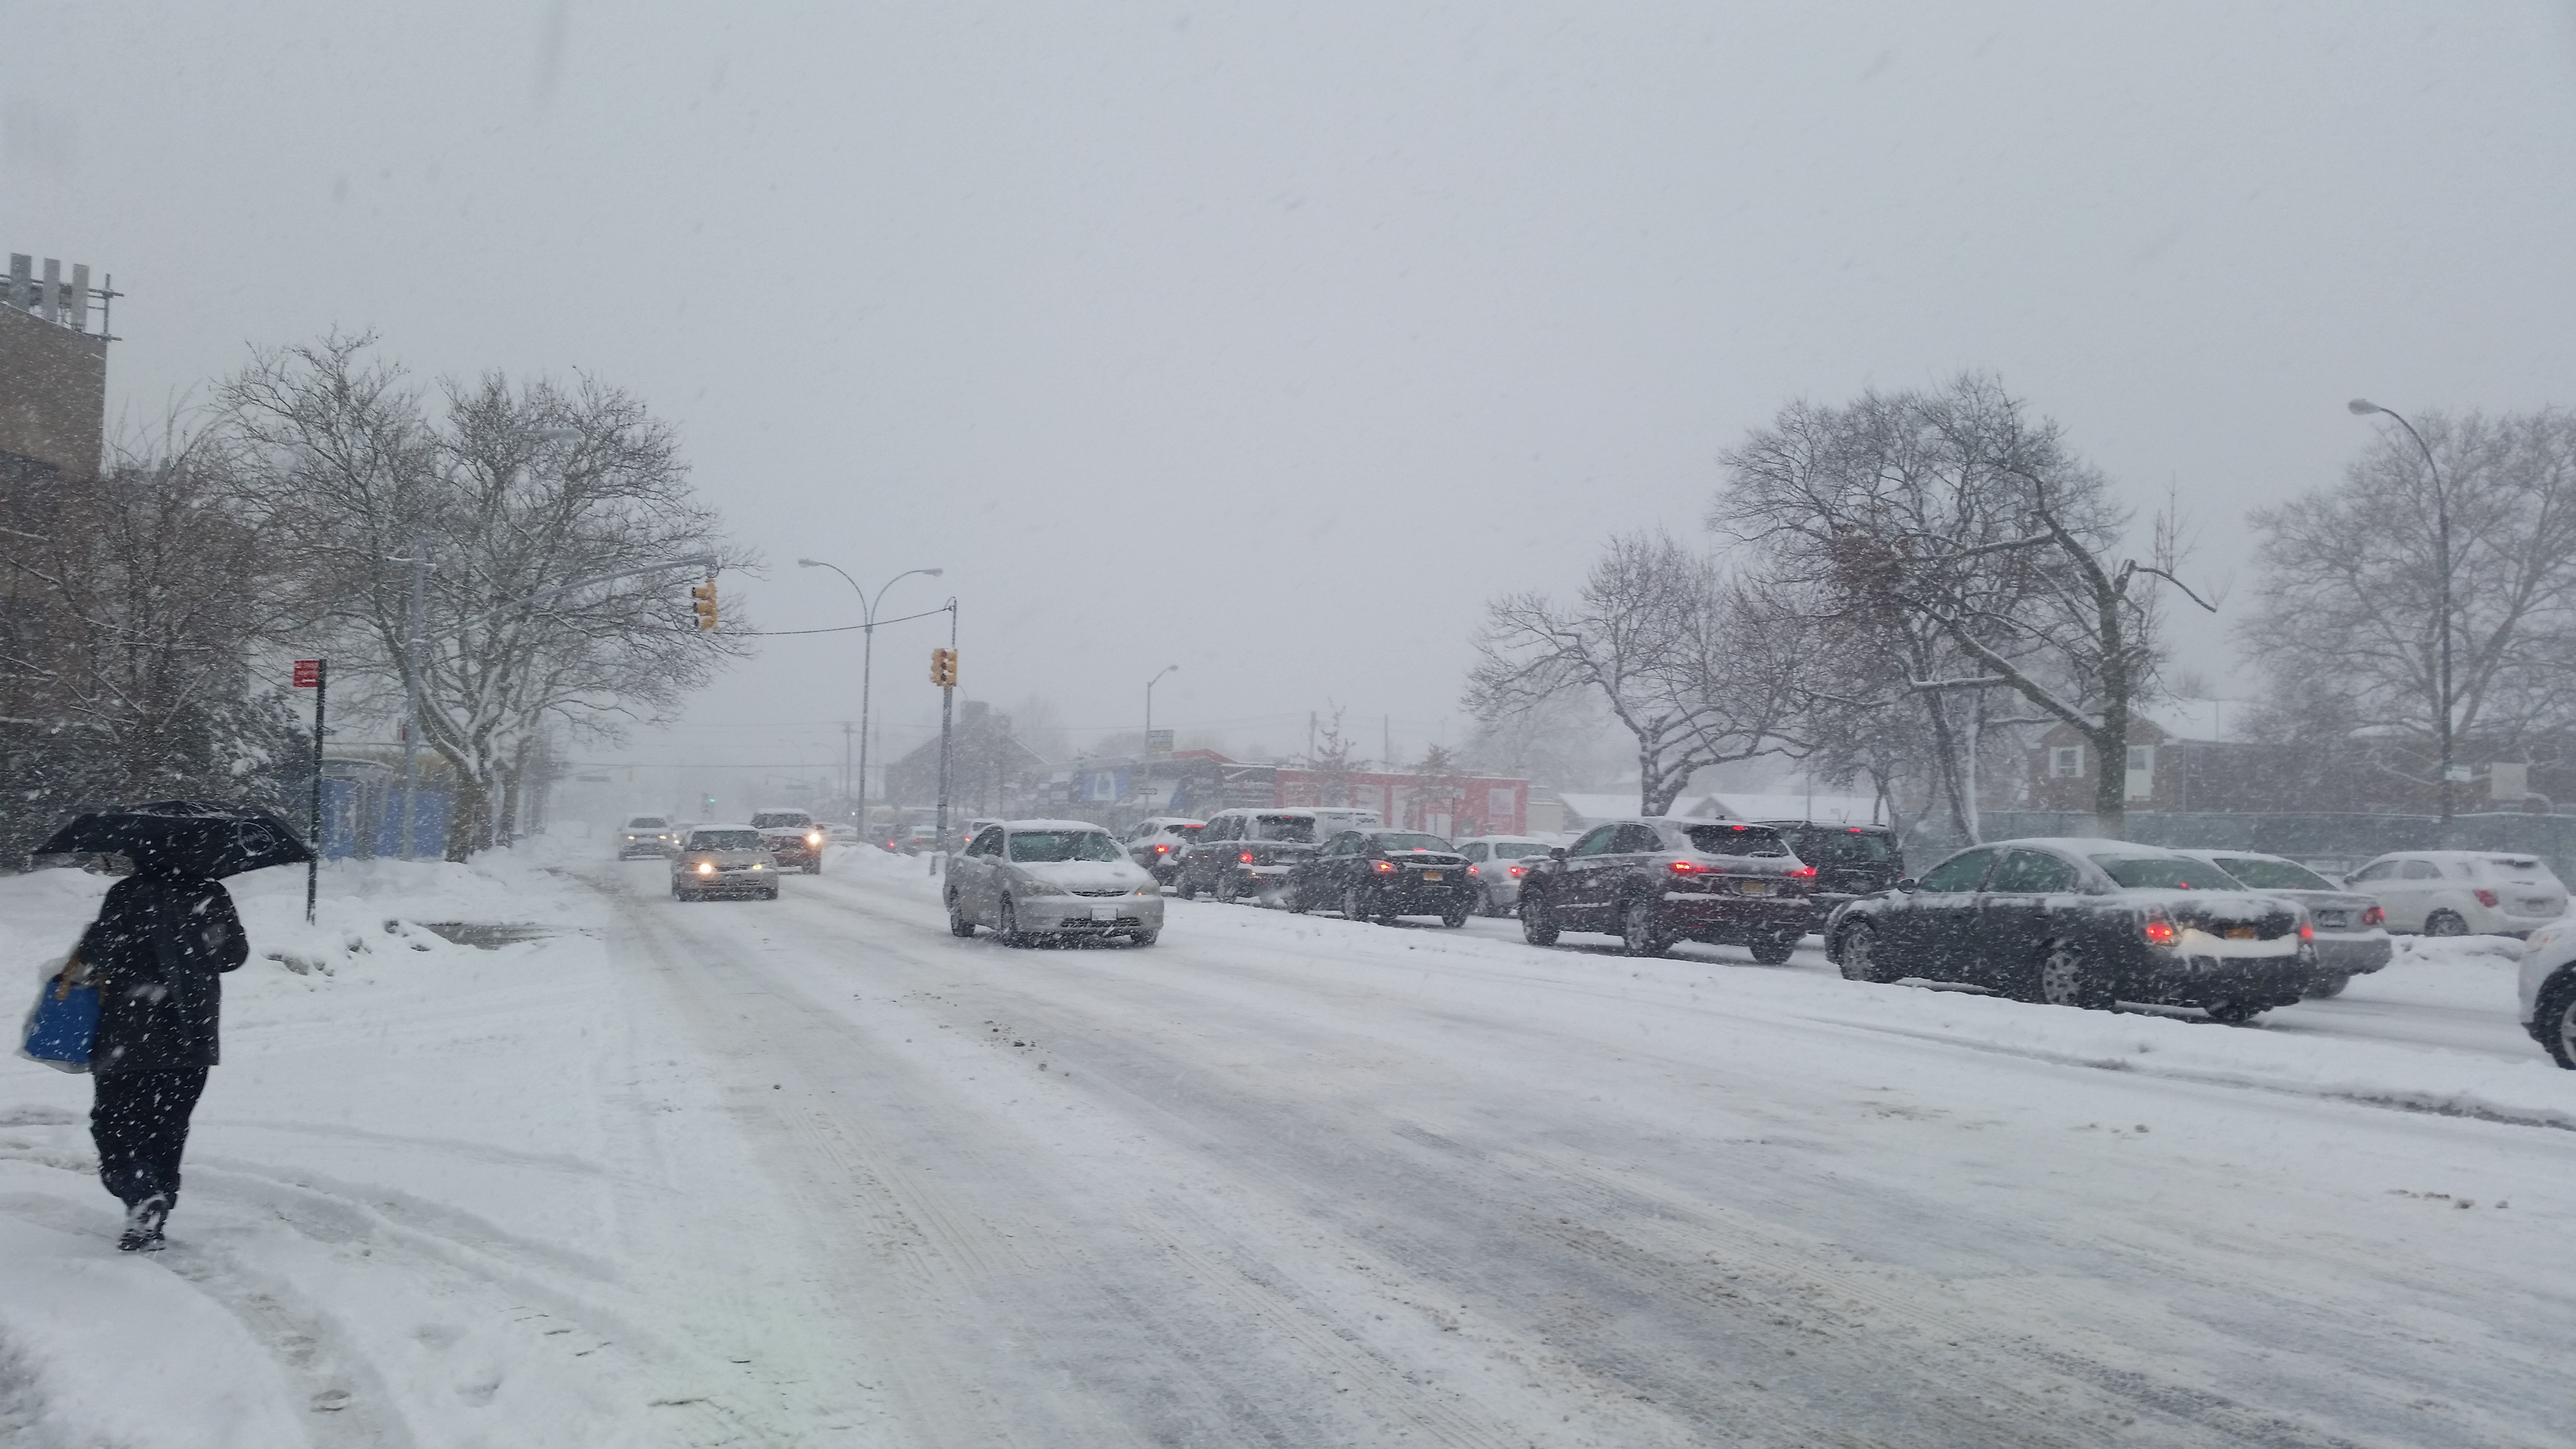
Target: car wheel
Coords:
[(1454, 917), (1773, 950), (770, 895), (1008, 928), (1638, 931), (1538, 923), (2553, 1018), (2233, 1012), (958, 925), (813, 867), (1145, 938), (2327, 986), (2065, 978), (1856, 952), (2445, 923), (1228, 890), (1187, 890), (1294, 898), (1353, 904)]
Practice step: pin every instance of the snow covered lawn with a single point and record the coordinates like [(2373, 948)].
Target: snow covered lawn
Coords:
[(819, 1173)]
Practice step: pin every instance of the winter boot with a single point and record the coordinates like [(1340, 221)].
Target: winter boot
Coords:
[(143, 1222)]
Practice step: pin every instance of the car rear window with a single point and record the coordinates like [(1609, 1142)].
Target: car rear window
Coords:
[(2165, 873), (726, 840), (1844, 847), (1736, 840), (2519, 868), (1399, 840), (2273, 875), (1295, 829), (1044, 847), (645, 822), (1515, 849), (780, 819)]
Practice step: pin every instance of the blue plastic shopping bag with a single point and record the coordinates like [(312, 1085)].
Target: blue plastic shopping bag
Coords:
[(61, 1026)]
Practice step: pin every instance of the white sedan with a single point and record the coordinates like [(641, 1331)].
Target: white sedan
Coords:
[(1030, 879), (2463, 892)]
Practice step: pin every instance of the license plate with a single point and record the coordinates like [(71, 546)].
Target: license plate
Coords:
[(1104, 913), (1755, 887), (2240, 933), (2534, 905), (1432, 875), (2330, 920)]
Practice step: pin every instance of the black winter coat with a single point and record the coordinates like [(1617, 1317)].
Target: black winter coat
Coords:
[(156, 953)]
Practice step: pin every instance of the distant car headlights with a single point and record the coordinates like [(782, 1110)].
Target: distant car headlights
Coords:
[(813, 837), (706, 867)]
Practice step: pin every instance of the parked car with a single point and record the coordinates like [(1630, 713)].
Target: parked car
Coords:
[(1030, 879), (723, 860), (1850, 860), (793, 837), (2086, 923), (647, 835), (2549, 990), (2463, 892), (840, 833), (1378, 875), (2351, 936), (1158, 843), (1654, 882), (1244, 852), (1498, 862)]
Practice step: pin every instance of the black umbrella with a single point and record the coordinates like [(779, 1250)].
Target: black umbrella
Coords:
[(183, 837)]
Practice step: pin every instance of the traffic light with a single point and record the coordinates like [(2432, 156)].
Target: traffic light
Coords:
[(943, 668), (705, 594)]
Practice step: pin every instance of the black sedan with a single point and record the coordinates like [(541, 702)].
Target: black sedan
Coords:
[(2082, 923), (1378, 875)]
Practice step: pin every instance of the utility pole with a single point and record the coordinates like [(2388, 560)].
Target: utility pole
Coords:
[(947, 678), (2363, 407), (845, 764), (413, 655), (867, 663)]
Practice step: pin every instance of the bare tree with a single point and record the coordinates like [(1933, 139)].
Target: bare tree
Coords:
[(515, 491), (2346, 629), (1652, 635)]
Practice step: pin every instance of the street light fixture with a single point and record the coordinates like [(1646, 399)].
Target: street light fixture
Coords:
[(867, 667), (2363, 407)]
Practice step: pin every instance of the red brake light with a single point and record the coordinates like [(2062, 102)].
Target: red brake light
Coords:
[(1246, 857), (2307, 931), (1471, 870), (2485, 897), (2374, 916), (1805, 872), (1382, 867), (1520, 870), (1162, 850), (2160, 932), (1685, 867)]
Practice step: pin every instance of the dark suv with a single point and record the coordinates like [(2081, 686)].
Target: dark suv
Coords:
[(1378, 875), (1654, 882), (1850, 860)]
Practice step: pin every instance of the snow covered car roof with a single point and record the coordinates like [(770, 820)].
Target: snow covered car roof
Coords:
[(1013, 827)]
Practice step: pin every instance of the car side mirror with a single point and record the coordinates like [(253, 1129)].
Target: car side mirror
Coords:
[(1908, 883), (1556, 852)]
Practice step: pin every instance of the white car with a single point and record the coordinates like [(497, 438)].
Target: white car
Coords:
[(2463, 892), (1157, 843), (1496, 863), (652, 835), (1029, 879), (2549, 990)]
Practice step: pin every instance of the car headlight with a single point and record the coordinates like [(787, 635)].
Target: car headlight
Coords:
[(1149, 889), (814, 837), (706, 867), (755, 865)]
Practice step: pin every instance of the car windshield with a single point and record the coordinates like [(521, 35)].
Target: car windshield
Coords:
[(1294, 829), (1048, 847), (781, 820), (644, 822), (2165, 873), (1515, 849), (725, 840), (1844, 847), (1736, 840), (1395, 840), (2273, 875)]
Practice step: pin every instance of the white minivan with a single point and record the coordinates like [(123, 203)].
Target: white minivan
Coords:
[(2463, 892)]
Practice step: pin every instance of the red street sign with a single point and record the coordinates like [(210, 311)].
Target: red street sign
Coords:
[(308, 673)]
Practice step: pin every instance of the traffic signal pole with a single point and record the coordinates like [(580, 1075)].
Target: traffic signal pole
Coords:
[(943, 672)]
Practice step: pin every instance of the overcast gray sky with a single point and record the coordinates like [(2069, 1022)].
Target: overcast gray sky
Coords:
[(1270, 340)]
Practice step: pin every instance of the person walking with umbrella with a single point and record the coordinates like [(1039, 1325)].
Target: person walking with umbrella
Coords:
[(156, 954)]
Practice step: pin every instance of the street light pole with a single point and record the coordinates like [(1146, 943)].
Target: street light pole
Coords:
[(1146, 754), (867, 665), (2363, 407)]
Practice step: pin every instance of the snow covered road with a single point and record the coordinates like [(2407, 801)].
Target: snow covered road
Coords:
[(816, 1172)]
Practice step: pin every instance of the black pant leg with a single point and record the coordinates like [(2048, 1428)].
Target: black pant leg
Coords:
[(140, 1122)]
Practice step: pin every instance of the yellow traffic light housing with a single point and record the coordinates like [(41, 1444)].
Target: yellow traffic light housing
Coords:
[(943, 668), (705, 595)]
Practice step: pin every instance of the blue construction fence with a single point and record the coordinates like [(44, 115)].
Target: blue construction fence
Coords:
[(363, 818)]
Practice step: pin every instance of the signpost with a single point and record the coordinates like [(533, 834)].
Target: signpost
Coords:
[(315, 675)]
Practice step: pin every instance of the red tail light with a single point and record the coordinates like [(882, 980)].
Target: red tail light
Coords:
[(1471, 870), (2374, 916), (1687, 867), (1382, 867), (2485, 897), (1518, 871), (1804, 872), (2160, 932), (2307, 931), (1246, 857), (1162, 850)]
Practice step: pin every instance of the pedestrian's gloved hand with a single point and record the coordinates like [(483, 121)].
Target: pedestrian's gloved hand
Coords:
[(75, 972)]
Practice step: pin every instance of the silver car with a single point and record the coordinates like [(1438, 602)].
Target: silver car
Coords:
[(723, 860), (2351, 930), (643, 835), (1028, 879), (1497, 863)]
